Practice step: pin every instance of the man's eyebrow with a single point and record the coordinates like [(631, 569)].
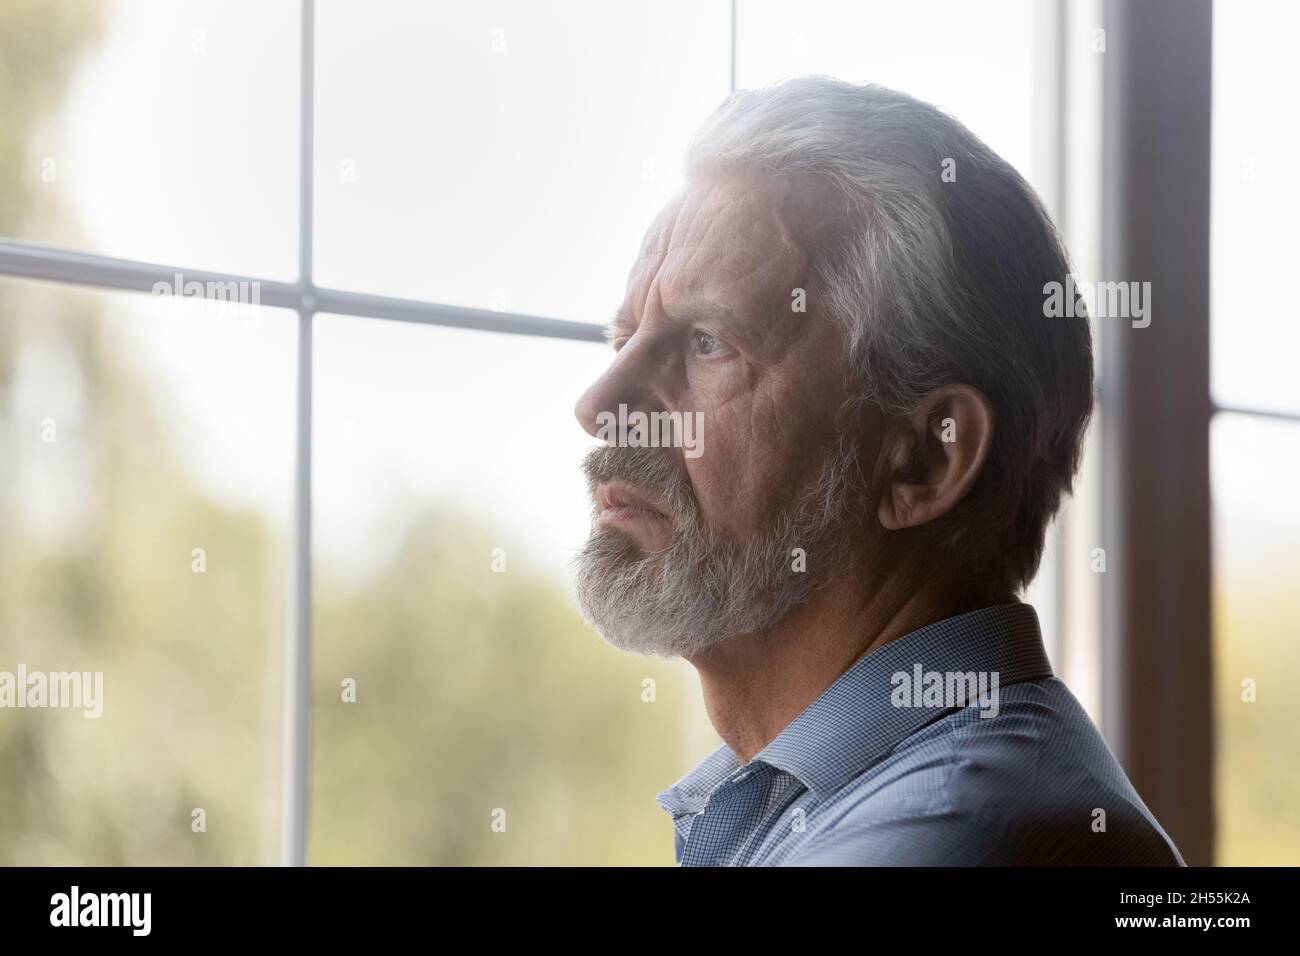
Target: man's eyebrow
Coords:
[(693, 312), (622, 321)]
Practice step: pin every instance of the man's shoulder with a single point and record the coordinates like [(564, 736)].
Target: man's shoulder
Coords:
[(1032, 783)]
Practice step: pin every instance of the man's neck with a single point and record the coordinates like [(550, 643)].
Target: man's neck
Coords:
[(755, 684)]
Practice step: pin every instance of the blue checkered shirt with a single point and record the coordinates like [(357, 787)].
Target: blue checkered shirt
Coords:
[(871, 774)]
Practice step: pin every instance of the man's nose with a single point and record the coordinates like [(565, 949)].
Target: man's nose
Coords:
[(627, 381)]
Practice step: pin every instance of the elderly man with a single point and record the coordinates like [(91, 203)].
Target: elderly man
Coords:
[(848, 293)]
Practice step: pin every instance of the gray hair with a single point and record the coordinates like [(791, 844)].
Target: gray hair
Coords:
[(934, 282)]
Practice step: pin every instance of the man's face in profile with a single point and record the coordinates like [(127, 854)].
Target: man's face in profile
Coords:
[(687, 550)]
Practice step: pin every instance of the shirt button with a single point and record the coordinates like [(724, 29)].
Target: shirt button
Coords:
[(740, 776)]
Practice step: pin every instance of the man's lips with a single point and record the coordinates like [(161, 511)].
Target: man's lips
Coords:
[(617, 501)]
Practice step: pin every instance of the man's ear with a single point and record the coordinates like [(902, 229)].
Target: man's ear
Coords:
[(932, 456)]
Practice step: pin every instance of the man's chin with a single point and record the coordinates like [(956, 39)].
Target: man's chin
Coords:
[(619, 589)]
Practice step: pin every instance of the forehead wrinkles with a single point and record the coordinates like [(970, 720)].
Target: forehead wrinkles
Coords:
[(724, 241), (654, 249), (734, 241), (740, 241)]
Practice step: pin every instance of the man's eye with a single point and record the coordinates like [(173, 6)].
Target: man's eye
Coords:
[(706, 344)]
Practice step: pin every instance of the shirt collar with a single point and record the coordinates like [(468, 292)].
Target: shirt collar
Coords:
[(854, 723)]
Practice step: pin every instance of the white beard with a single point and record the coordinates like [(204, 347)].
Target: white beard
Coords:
[(703, 588)]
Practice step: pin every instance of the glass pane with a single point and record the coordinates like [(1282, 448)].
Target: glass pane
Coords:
[(975, 60), (448, 503), (145, 453), (1257, 644), (166, 132), (511, 155), (1255, 334)]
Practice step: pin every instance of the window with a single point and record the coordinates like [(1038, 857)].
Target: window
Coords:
[(1255, 436), (319, 557), (144, 538)]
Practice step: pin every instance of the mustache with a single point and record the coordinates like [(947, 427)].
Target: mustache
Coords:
[(649, 469)]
